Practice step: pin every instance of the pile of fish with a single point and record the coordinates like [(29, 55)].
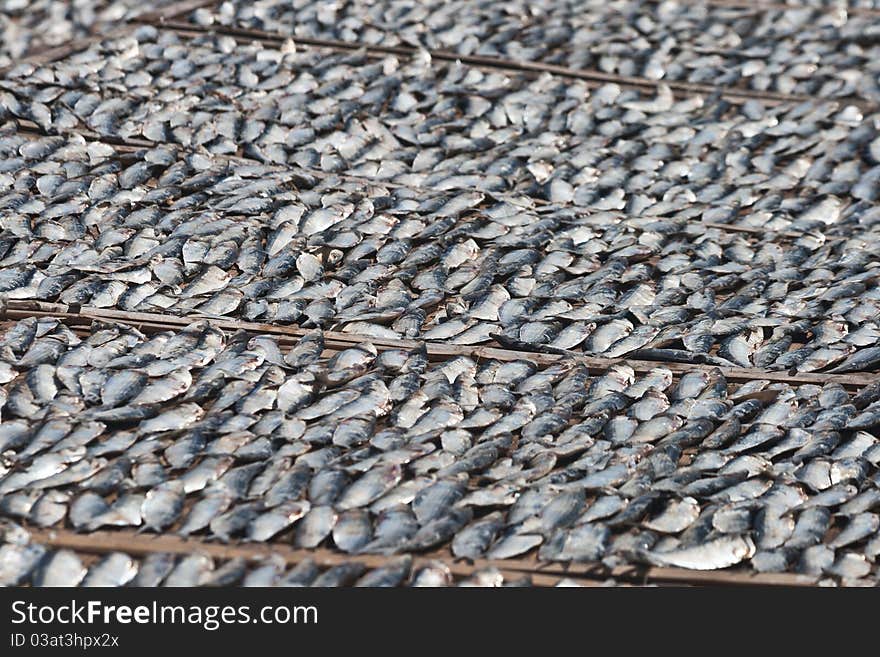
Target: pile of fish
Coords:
[(29, 26), (164, 231), (797, 50), (238, 437), (445, 125), (400, 202), (24, 562), (857, 5)]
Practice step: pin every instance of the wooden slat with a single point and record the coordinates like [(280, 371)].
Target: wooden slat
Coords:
[(57, 53), (134, 145), (762, 5), (175, 10), (130, 145), (142, 544), (670, 575), (83, 316), (592, 77), (125, 145)]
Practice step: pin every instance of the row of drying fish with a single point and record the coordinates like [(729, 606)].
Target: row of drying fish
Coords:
[(234, 438), (30, 26), (797, 50), (446, 125), (852, 5), (170, 232), (23, 562)]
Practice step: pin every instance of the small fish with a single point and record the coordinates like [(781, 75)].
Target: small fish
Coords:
[(61, 568), (859, 527), (17, 562), (315, 526), (584, 543), (715, 554), (162, 505), (278, 519), (390, 575), (352, 530), (342, 575), (153, 569), (191, 570), (677, 516), (303, 574), (473, 541), (116, 569)]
